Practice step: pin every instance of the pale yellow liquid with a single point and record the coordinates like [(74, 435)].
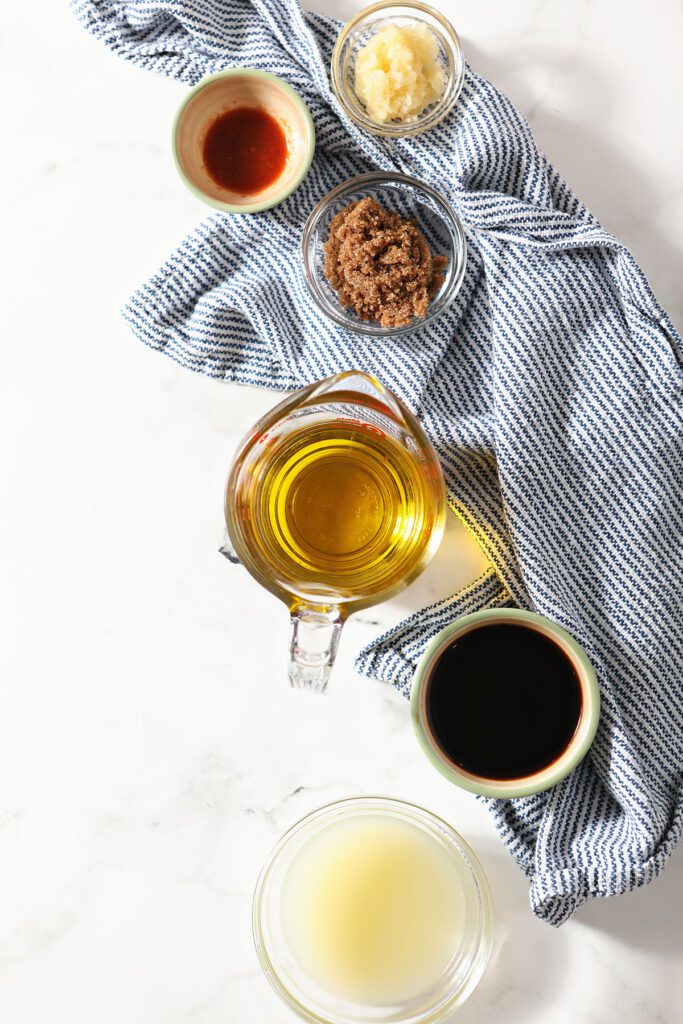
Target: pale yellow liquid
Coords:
[(372, 909)]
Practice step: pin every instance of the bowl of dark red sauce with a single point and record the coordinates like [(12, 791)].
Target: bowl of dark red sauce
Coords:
[(505, 702), (243, 140)]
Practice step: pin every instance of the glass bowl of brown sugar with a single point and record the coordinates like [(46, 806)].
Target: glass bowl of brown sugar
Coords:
[(383, 254)]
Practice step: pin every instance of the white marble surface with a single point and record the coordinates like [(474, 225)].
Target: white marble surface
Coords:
[(150, 751)]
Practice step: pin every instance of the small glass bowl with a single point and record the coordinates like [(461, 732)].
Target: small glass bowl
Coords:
[(415, 201), (356, 34), (316, 1005)]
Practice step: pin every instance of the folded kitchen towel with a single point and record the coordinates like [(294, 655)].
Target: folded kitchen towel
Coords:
[(552, 391)]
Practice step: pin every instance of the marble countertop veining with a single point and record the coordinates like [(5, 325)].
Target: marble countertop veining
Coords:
[(150, 750)]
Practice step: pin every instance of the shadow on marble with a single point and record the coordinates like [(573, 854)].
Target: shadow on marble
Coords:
[(600, 173), (458, 561), (529, 965), (648, 918), (527, 970)]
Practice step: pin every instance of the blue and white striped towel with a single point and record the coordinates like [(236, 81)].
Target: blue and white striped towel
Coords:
[(552, 390)]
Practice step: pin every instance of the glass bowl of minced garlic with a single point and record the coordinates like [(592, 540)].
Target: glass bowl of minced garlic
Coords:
[(397, 69)]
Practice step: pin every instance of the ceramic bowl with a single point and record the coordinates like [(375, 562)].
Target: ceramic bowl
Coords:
[(551, 774), (242, 87)]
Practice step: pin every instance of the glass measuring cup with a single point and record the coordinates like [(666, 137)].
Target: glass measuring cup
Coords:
[(335, 501)]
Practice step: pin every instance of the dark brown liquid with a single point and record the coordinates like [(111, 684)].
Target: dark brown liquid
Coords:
[(503, 701), (245, 150)]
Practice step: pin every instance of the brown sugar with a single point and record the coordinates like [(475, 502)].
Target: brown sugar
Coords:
[(380, 264)]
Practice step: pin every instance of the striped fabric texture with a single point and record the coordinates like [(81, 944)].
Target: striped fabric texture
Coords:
[(552, 390)]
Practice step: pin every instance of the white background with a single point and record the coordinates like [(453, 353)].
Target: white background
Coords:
[(150, 750)]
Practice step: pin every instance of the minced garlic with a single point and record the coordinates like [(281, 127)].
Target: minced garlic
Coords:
[(398, 72)]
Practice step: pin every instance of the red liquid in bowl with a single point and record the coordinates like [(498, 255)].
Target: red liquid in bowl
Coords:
[(245, 150)]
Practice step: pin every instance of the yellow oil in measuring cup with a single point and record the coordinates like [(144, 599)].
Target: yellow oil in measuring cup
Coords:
[(334, 502)]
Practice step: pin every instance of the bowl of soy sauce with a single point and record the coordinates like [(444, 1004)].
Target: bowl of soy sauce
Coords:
[(505, 702)]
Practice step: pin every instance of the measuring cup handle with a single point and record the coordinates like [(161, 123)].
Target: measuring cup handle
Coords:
[(313, 647)]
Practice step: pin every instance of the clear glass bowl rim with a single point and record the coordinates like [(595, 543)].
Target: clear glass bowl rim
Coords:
[(407, 811), (451, 92), (449, 218)]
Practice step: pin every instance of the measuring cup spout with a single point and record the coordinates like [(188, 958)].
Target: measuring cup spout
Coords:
[(313, 646), (361, 383)]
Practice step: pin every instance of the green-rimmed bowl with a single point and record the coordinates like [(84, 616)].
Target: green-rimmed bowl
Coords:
[(241, 87), (546, 777)]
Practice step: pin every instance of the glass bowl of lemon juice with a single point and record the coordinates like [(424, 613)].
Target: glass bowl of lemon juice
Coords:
[(372, 910)]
